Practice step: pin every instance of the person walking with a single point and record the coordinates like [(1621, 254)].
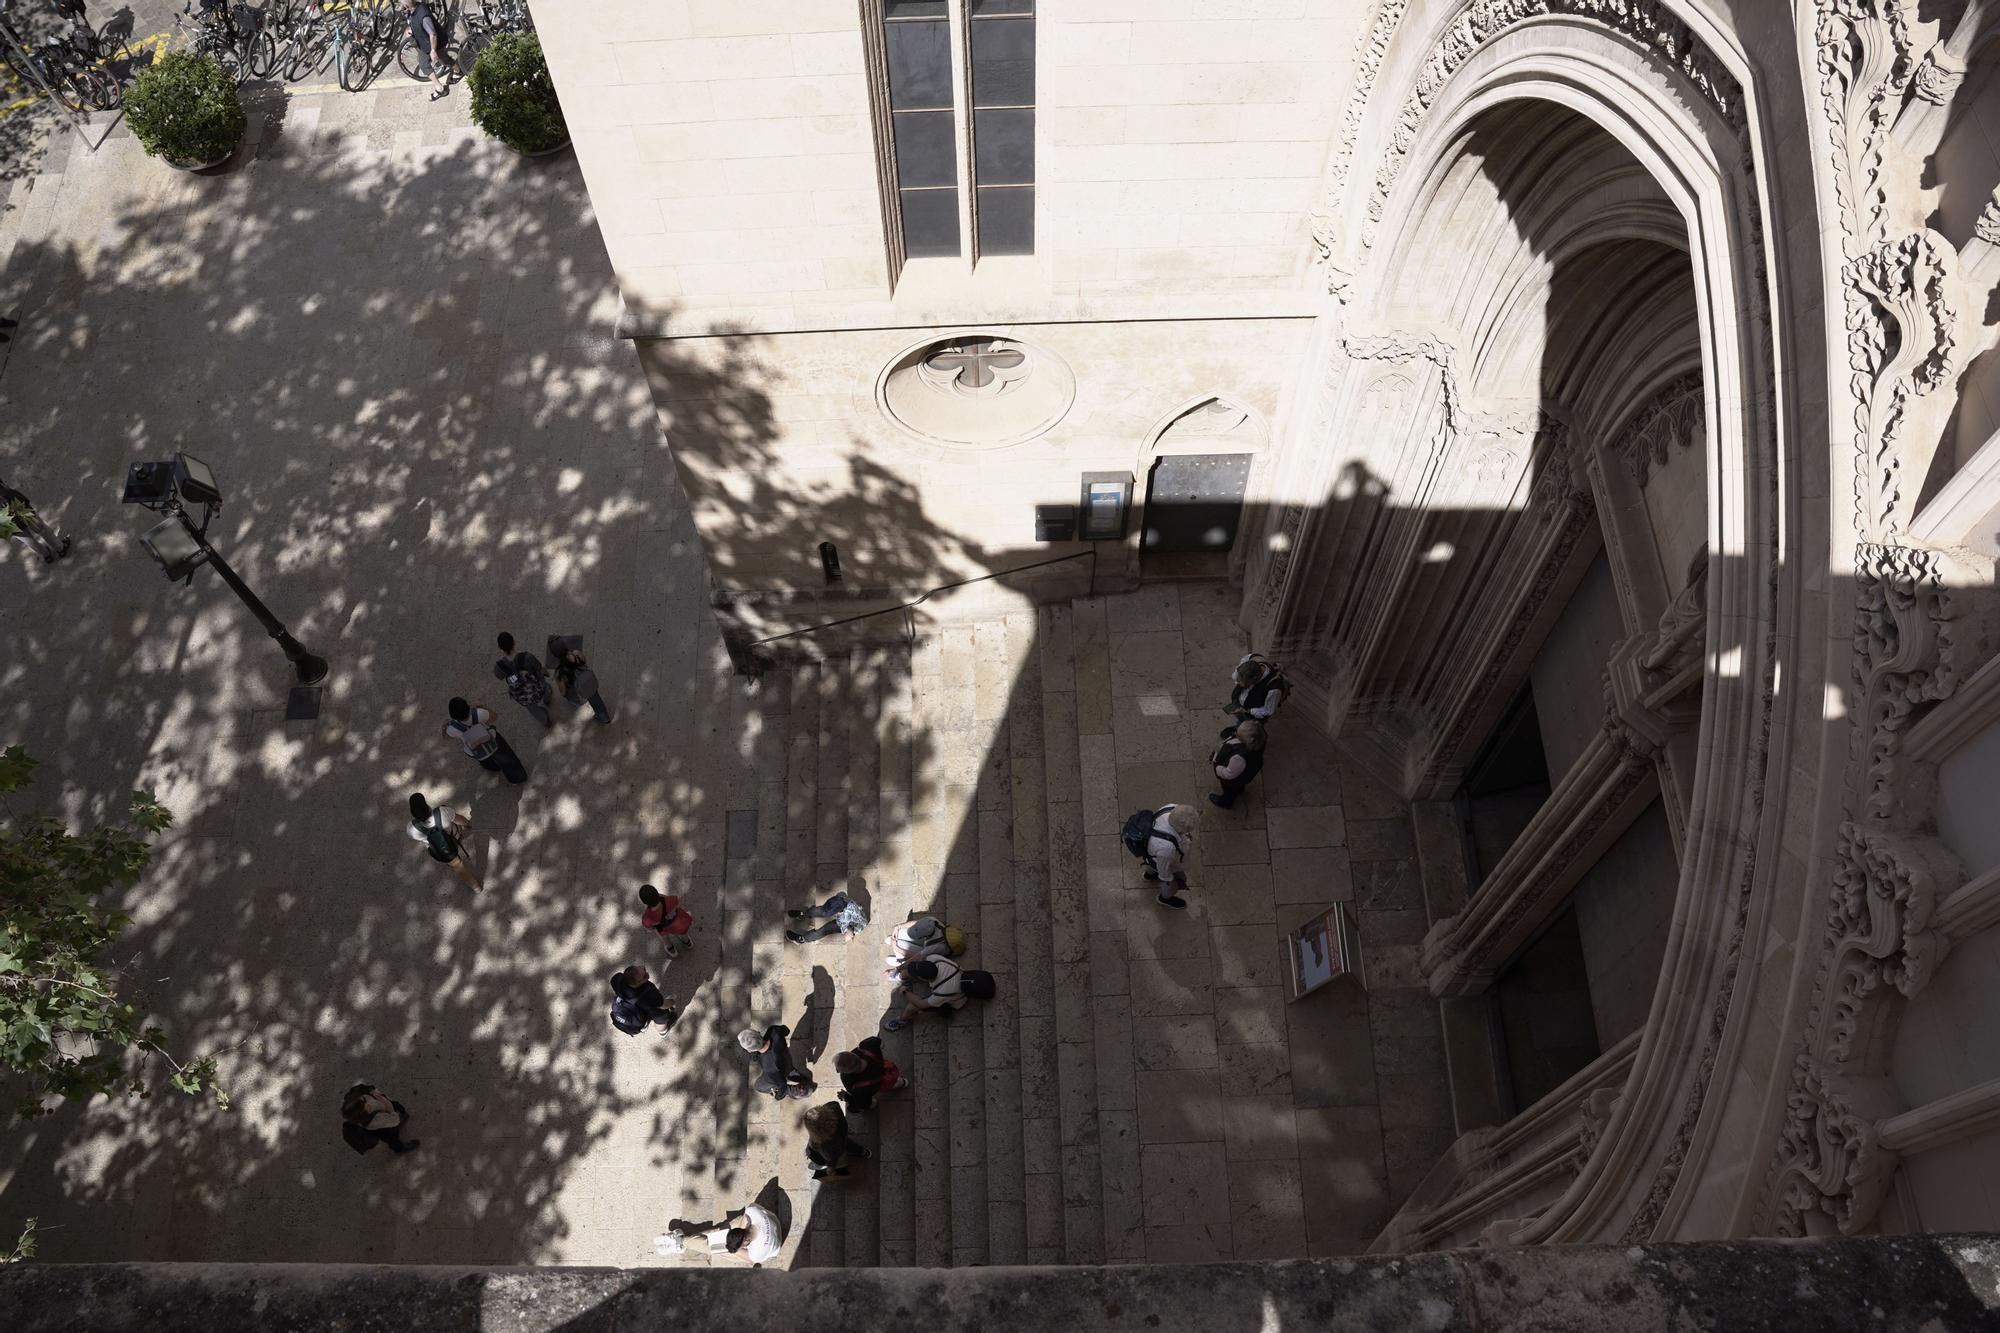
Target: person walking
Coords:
[(828, 1147), (636, 1003), (369, 1117), (1257, 687), (472, 727), (432, 43), (665, 917), (866, 1073), (574, 678), (843, 915), (19, 520), (754, 1234), (1237, 760), (442, 832), (775, 1076), (527, 683), (1161, 839)]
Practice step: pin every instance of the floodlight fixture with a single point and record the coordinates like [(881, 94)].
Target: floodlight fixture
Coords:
[(195, 481)]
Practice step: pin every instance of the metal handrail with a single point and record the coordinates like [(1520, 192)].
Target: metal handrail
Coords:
[(928, 593)]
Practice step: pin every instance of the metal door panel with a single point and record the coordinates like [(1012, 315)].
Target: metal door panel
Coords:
[(1194, 502)]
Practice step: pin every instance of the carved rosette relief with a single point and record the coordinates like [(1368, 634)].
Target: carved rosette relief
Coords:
[(1830, 1160), (1886, 888)]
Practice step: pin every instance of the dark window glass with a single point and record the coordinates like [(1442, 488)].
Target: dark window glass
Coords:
[(913, 9), (983, 7), (930, 223), (1003, 62), (925, 153), (1004, 147), (919, 65), (1006, 221)]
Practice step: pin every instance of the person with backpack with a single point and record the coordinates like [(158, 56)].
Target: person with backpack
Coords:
[(665, 917), (1258, 687), (19, 520), (442, 832), (866, 1073), (828, 1147), (575, 681), (527, 683), (636, 1003), (776, 1077), (472, 727), (922, 937), (937, 984), (1161, 839), (1237, 760)]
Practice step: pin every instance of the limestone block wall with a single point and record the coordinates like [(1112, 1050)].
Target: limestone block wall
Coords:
[(731, 158), (780, 444)]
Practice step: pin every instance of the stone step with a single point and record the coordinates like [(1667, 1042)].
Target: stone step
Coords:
[(860, 974), (1076, 684), (963, 756), (895, 1116), (931, 831), (1000, 649)]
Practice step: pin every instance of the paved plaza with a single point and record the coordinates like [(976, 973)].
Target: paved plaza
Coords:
[(392, 340)]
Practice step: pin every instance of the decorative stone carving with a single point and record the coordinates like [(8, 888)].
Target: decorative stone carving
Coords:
[(1649, 24), (1904, 658), (1557, 487), (1405, 348), (1677, 641), (1886, 886), (1900, 344), (1675, 418), (1592, 1115), (1830, 1159), (1326, 214), (1936, 81), (1986, 227), (1863, 56)]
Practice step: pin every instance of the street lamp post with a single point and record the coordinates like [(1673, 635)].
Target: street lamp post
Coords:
[(180, 547)]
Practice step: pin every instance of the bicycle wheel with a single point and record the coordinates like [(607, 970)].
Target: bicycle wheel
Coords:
[(406, 56), (307, 56), (262, 56), (355, 63), (70, 87), (100, 91)]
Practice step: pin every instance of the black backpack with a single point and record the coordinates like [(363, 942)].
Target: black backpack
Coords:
[(627, 1016), (443, 846), (978, 985), (1139, 831)]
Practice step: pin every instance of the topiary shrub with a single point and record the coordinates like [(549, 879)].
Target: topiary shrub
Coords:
[(513, 97), (183, 108)]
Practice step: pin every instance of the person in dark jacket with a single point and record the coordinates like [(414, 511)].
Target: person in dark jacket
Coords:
[(575, 681), (775, 1076), (828, 1149), (1257, 688), (369, 1117), (633, 993), (865, 1073), (432, 46), (1237, 760)]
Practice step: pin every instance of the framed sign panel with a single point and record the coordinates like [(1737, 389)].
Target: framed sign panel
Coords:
[(1323, 950)]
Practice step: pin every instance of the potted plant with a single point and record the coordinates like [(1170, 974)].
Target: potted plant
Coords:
[(184, 110), (513, 97)]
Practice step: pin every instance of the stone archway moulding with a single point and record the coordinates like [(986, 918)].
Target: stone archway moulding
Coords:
[(1680, 110)]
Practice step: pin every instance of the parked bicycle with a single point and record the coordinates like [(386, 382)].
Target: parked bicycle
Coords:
[(57, 64), (235, 35)]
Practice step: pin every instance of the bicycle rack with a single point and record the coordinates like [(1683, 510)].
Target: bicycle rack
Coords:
[(27, 62)]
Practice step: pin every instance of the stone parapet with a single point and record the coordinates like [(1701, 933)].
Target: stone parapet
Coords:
[(1881, 1284)]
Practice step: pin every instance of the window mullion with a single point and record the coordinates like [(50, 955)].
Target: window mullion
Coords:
[(961, 109)]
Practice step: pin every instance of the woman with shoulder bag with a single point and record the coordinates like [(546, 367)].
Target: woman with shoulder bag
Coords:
[(442, 832)]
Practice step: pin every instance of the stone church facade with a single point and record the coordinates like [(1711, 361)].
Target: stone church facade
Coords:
[(1594, 403)]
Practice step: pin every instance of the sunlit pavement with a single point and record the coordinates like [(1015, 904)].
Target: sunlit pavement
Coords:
[(391, 339)]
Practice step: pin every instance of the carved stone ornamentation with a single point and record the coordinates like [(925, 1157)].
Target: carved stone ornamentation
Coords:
[(1864, 57), (1367, 68), (1675, 418), (1936, 82), (1987, 226), (1886, 888), (1830, 1159), (1900, 345), (1648, 24), (1904, 658), (1677, 641)]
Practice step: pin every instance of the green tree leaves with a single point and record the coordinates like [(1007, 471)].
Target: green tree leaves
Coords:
[(62, 1020)]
